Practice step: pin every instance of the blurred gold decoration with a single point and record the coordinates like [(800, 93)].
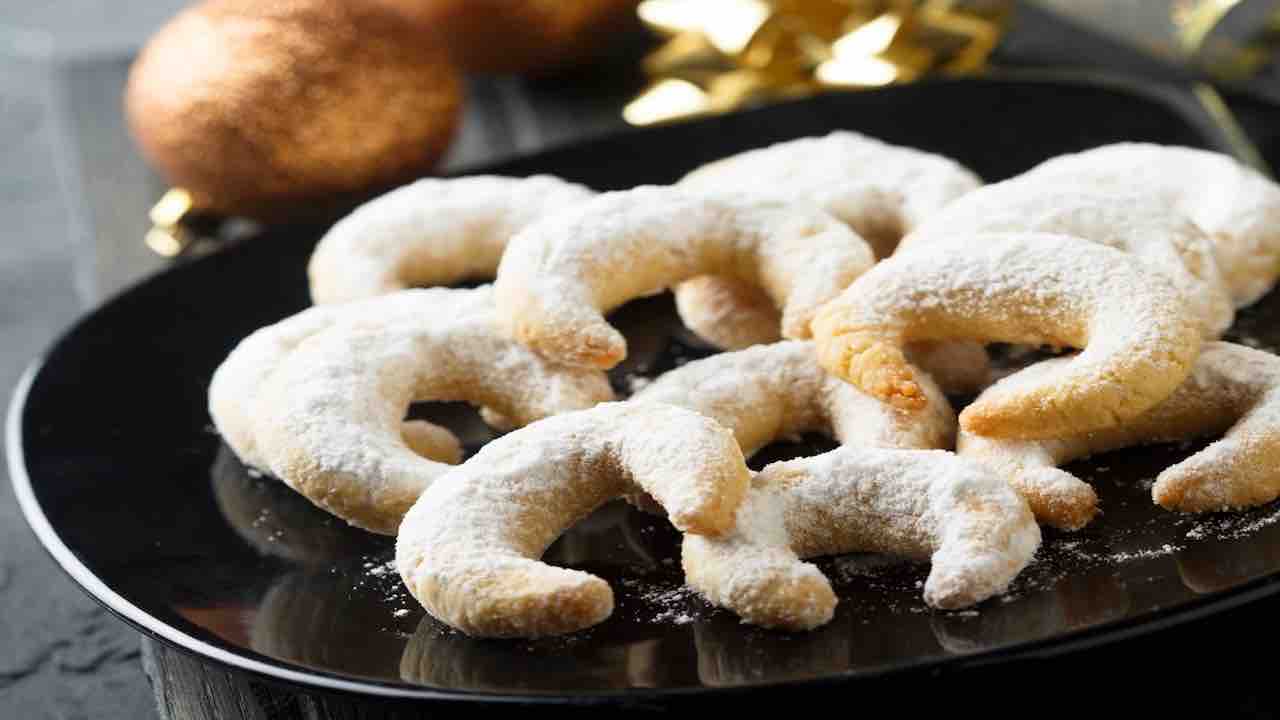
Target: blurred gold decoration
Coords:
[(723, 54), (167, 237), (1196, 20), (1228, 51), (1230, 41), (1236, 42), (1237, 139)]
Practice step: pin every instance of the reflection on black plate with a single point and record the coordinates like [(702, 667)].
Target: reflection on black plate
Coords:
[(111, 445)]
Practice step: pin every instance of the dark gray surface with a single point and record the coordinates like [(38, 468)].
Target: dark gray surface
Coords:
[(61, 655)]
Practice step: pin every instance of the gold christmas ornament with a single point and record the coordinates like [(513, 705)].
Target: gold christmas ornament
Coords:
[(723, 54), (270, 110)]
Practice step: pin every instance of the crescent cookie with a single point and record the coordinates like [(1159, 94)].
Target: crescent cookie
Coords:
[(327, 420), (1236, 205), (960, 367), (732, 316), (1232, 389), (468, 549), (881, 191), (769, 392), (726, 313), (562, 273), (1134, 223), (238, 381), (926, 504), (1139, 338), (431, 232)]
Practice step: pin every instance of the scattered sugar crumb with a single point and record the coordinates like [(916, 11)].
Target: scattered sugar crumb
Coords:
[(264, 515), (262, 520), (381, 577), (1165, 549), (1230, 527), (663, 604)]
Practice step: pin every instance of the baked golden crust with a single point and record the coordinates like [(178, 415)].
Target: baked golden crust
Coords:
[(924, 504), (1231, 389), (328, 420), (773, 392), (239, 379), (560, 275), (880, 191), (468, 548), (432, 232), (1238, 207), (729, 314), (1133, 221), (1138, 335), (733, 315), (319, 399)]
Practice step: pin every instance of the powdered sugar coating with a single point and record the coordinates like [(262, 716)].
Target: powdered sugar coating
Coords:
[(959, 367), (879, 190), (1236, 205), (327, 420), (468, 548), (238, 380), (770, 392), (1138, 335), (1232, 389), (729, 314), (561, 274), (1134, 222), (733, 315), (431, 232), (237, 385), (925, 504)]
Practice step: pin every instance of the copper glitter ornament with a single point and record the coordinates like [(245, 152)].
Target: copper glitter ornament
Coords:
[(519, 36), (268, 110)]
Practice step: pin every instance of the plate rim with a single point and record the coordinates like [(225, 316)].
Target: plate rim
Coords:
[(1171, 95), (315, 679)]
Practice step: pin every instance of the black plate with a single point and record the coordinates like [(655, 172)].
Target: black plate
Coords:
[(123, 479)]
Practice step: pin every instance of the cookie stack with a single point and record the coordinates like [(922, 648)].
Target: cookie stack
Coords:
[(853, 284)]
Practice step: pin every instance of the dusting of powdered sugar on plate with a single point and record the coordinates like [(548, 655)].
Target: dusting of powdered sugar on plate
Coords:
[(662, 602)]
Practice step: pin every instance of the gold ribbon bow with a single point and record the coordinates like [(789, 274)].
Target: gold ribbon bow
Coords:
[(723, 54)]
